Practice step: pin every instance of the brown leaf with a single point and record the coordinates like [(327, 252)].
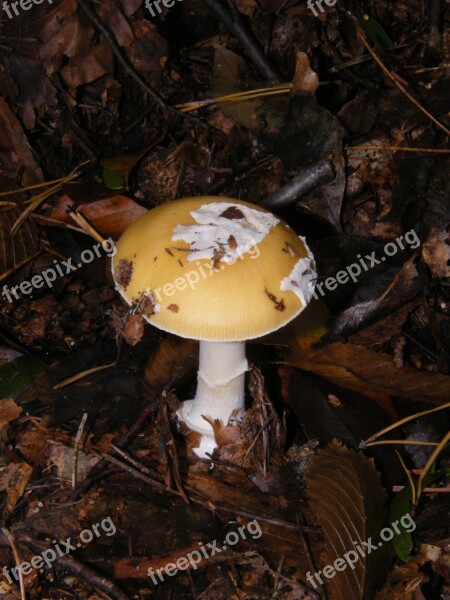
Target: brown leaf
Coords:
[(305, 79), (134, 329), (150, 51), (175, 360), (89, 64), (436, 254), (36, 92), (345, 492), (62, 457), (16, 151), (110, 216), (8, 412), (13, 480), (362, 370)]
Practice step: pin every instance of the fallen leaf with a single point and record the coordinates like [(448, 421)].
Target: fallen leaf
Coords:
[(16, 151), (305, 79), (362, 370), (344, 491), (8, 412), (13, 480)]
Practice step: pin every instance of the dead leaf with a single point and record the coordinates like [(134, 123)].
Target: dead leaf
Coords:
[(436, 254), (62, 458), (362, 370), (175, 360), (305, 79), (8, 412), (345, 492), (16, 151), (13, 480), (110, 216), (150, 51), (231, 74)]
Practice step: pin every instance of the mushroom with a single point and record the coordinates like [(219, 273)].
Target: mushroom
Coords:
[(220, 271)]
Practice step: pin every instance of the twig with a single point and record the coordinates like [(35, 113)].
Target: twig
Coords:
[(80, 570), (76, 449), (233, 20), (15, 552), (96, 471), (306, 180), (400, 86), (16, 267)]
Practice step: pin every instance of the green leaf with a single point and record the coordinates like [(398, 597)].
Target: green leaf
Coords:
[(17, 376), (403, 541), (113, 179), (377, 33)]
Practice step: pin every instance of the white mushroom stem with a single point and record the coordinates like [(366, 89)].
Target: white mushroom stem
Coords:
[(220, 390)]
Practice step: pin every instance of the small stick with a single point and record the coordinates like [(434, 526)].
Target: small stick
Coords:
[(22, 263), (80, 570), (76, 449), (232, 19), (306, 180), (15, 552)]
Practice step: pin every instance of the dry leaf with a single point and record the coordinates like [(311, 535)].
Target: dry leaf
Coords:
[(345, 492), (16, 151), (13, 480), (62, 457), (305, 79), (8, 412), (362, 370)]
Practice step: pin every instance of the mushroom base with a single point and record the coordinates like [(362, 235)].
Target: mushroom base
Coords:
[(220, 391)]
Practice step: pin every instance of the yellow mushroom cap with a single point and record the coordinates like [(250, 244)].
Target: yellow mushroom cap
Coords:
[(214, 269)]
